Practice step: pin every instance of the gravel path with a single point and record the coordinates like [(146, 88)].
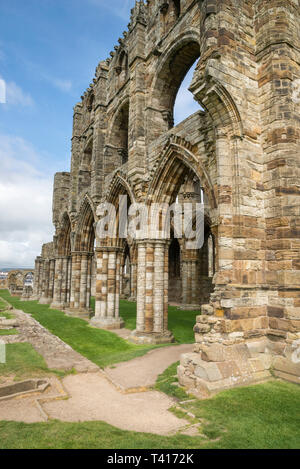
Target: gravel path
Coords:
[(142, 372)]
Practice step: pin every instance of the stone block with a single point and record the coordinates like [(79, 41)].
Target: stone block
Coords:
[(208, 371), (213, 353), (229, 369), (287, 366)]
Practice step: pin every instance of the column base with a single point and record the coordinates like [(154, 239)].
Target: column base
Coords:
[(45, 301), (78, 313), (132, 299), (152, 338), (203, 376), (35, 298), (189, 307), (107, 323), (59, 306)]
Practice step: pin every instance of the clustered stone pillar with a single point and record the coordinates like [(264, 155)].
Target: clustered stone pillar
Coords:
[(152, 293), (108, 288), (44, 299), (37, 279), (57, 294), (133, 277), (85, 279), (190, 283), (122, 273), (75, 281), (65, 292)]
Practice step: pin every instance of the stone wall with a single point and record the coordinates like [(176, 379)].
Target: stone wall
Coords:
[(239, 155)]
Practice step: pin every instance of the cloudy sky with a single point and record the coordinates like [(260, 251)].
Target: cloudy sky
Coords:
[(49, 50)]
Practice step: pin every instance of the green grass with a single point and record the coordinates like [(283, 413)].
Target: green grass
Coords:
[(8, 332), (101, 347), (181, 323), (3, 309), (165, 382), (261, 416), (86, 435), (2, 305), (264, 416), (6, 315), (23, 361)]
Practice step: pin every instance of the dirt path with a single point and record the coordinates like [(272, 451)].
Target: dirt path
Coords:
[(94, 398), (142, 372)]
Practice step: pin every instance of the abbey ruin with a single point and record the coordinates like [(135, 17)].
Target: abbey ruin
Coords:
[(238, 155)]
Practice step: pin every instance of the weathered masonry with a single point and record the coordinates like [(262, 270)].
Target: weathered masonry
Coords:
[(19, 283), (239, 155)]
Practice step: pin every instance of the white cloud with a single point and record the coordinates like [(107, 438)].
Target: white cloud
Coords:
[(2, 91), (15, 96), (63, 85), (25, 203)]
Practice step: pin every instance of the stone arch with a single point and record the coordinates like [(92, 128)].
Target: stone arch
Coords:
[(175, 162), (118, 138), (122, 67), (118, 185), (85, 232), (172, 67), (64, 237), (218, 102), (28, 277)]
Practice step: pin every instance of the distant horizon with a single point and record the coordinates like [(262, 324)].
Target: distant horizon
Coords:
[(5, 269)]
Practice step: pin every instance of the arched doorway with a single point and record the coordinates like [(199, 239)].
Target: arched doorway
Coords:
[(178, 181)]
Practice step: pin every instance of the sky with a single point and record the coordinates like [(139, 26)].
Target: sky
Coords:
[(49, 50)]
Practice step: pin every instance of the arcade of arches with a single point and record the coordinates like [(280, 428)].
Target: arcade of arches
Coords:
[(237, 157), (19, 283)]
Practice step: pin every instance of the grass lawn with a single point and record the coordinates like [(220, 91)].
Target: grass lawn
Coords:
[(181, 323), (6, 315), (262, 416), (8, 332), (2, 304), (101, 347), (23, 361), (257, 417)]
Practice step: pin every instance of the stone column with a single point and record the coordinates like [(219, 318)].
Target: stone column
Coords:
[(108, 289), (89, 280), (51, 279), (40, 278), (75, 281), (57, 293), (36, 279), (69, 280), (122, 269), (152, 293), (45, 283), (83, 281), (64, 282), (190, 280), (133, 281)]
